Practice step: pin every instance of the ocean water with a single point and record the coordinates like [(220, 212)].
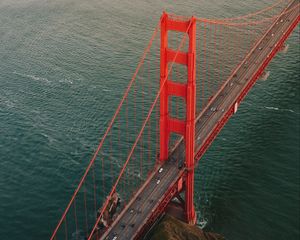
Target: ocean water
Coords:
[(63, 67)]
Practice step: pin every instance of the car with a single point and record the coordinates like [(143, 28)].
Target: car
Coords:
[(160, 170), (260, 48), (281, 20), (115, 238), (213, 109), (272, 35), (158, 181)]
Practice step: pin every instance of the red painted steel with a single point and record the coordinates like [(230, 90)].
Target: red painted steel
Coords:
[(187, 91), (163, 203), (230, 112), (184, 180), (240, 24), (190, 126)]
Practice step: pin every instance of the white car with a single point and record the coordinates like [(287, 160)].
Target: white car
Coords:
[(160, 170), (158, 181)]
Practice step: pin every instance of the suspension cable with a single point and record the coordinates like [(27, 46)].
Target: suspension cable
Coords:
[(139, 135), (107, 131)]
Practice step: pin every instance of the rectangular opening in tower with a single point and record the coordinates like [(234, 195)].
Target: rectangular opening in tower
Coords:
[(178, 41)]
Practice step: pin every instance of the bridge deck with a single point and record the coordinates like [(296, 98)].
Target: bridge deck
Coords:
[(138, 211)]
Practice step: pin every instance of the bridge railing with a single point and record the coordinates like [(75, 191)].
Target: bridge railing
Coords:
[(143, 154), (221, 48), (126, 155), (127, 152)]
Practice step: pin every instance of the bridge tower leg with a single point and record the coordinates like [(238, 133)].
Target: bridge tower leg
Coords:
[(187, 91)]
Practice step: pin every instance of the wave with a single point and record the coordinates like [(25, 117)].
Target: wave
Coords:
[(106, 90), (5, 102), (33, 77), (68, 81), (281, 109)]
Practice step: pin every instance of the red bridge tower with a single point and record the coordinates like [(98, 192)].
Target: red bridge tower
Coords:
[(187, 91)]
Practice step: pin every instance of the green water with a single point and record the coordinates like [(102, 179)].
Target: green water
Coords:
[(63, 67)]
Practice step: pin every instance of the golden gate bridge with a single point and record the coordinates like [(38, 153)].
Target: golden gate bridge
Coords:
[(191, 79)]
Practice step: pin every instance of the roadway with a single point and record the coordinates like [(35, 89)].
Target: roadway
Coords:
[(138, 211)]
